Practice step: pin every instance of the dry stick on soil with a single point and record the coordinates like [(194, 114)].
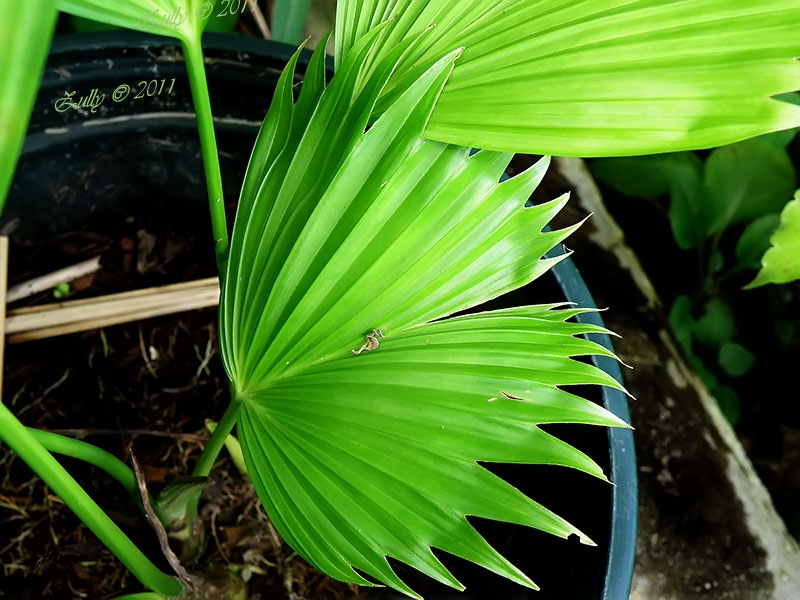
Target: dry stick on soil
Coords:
[(259, 19), (81, 433), (51, 280), (38, 322), (192, 581)]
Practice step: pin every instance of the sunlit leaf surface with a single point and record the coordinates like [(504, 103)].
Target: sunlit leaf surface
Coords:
[(596, 77)]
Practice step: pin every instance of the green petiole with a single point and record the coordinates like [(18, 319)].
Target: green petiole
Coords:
[(93, 455), (193, 54), (217, 440)]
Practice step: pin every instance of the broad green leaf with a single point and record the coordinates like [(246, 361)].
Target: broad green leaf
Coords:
[(644, 176), (735, 359), (349, 223), (784, 330), (729, 403), (754, 241), (716, 261), (781, 263), (682, 322), (691, 210), (748, 180), (741, 181), (182, 19), (596, 77), (706, 376), (25, 32), (716, 325)]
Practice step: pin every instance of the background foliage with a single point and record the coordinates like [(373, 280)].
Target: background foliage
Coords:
[(725, 209)]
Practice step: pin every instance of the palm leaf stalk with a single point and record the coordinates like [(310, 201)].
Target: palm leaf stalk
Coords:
[(89, 453), (150, 16), (193, 53)]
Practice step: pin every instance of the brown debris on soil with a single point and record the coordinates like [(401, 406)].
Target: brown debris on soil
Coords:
[(47, 552), (147, 387)]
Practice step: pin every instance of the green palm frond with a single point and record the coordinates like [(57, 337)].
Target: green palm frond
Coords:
[(182, 19), (595, 77), (364, 447), (360, 457)]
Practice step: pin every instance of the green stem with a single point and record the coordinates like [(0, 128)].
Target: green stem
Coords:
[(21, 441), (193, 54), (93, 455), (234, 449), (217, 440)]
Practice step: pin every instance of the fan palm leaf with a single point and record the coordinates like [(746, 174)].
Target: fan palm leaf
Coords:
[(351, 226)]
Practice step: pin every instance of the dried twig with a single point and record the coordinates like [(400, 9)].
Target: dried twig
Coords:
[(258, 16), (220, 548), (80, 433), (38, 322), (192, 581), (51, 280)]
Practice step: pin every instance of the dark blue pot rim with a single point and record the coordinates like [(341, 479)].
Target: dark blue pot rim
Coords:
[(625, 497)]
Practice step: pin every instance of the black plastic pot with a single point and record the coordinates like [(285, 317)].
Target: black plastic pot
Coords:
[(85, 170)]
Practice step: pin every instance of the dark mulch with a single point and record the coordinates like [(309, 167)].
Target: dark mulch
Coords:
[(145, 387)]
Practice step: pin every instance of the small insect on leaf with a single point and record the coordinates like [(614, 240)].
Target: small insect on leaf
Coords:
[(372, 342)]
